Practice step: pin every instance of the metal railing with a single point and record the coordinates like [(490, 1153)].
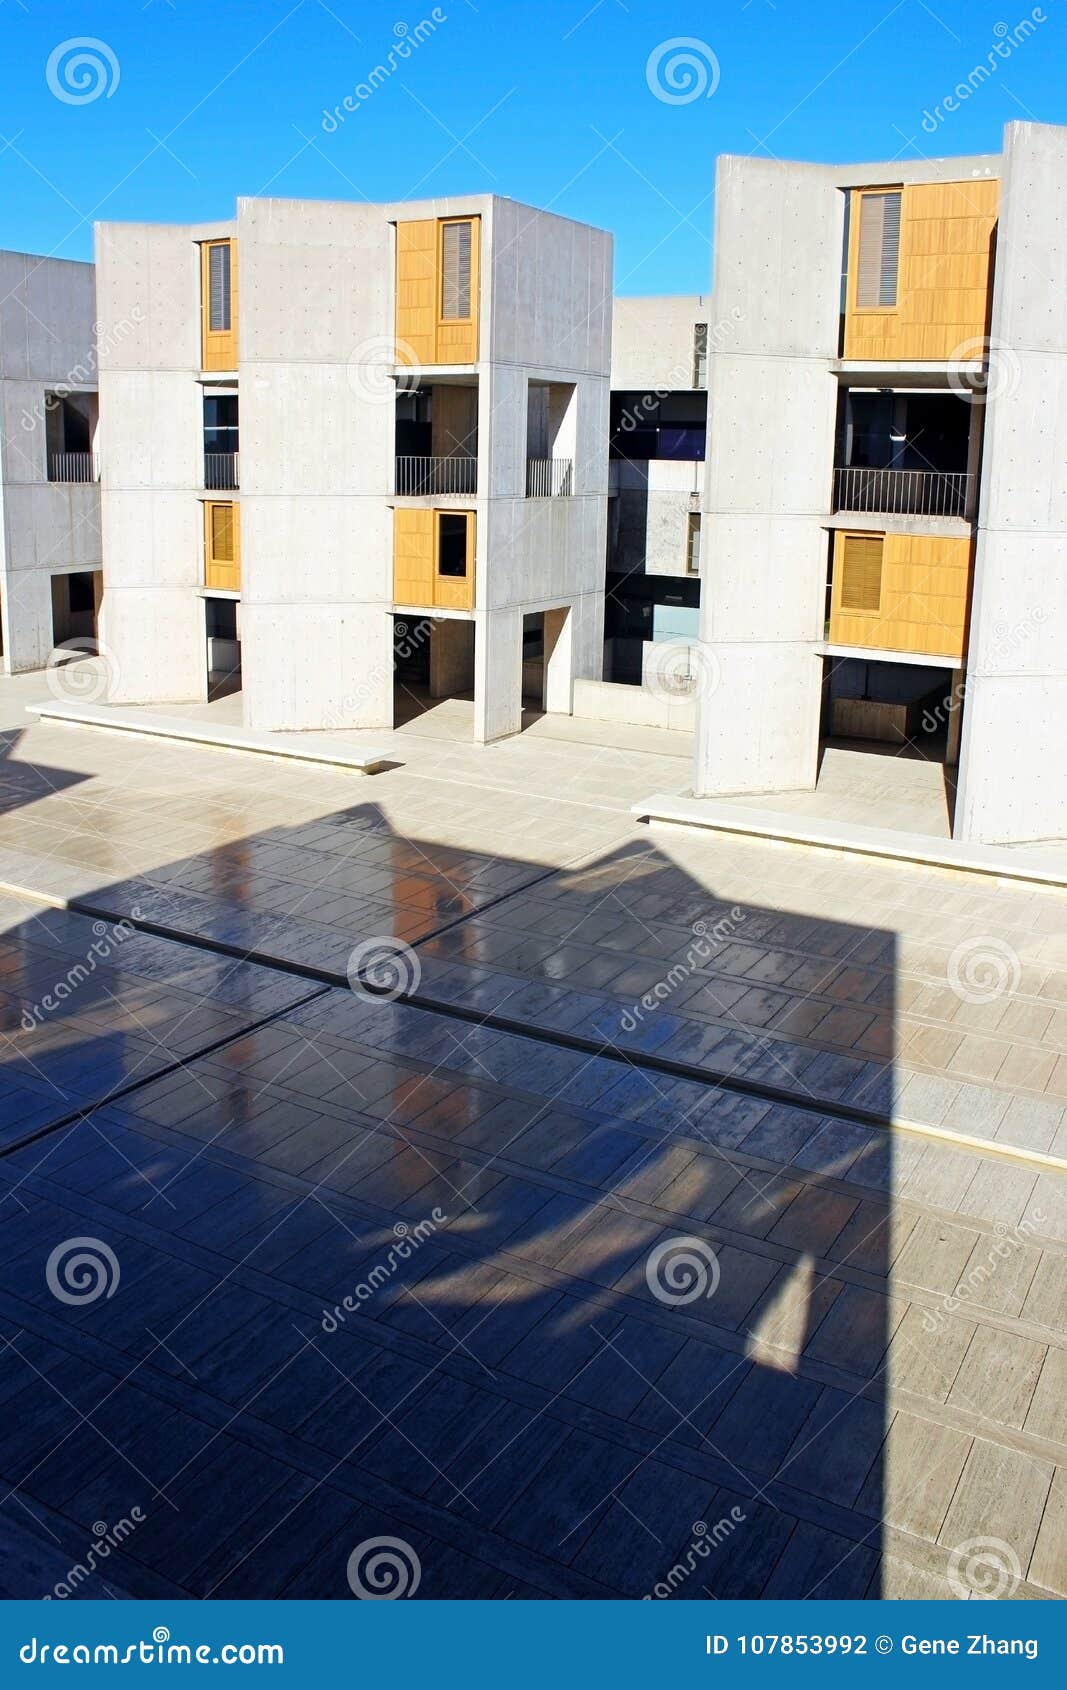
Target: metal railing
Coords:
[(549, 478), (903, 492), (415, 476), (222, 471), (73, 466)]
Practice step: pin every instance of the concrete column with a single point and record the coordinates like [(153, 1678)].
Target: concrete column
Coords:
[(764, 534), (451, 658), (497, 674), (27, 609), (559, 661)]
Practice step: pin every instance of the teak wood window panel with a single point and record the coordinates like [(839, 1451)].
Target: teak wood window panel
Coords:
[(433, 558), (861, 573), (222, 545), (437, 290), (218, 304)]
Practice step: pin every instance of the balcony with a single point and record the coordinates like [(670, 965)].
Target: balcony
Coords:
[(222, 472), (903, 492), (418, 476), (73, 466), (549, 478)]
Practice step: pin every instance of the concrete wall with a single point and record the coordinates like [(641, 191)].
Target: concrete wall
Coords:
[(649, 514), (1013, 772), (652, 340), (47, 310), (778, 242), (152, 474)]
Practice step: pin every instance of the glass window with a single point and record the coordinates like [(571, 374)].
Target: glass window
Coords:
[(452, 545)]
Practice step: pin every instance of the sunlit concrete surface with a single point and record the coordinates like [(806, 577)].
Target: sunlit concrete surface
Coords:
[(667, 1277)]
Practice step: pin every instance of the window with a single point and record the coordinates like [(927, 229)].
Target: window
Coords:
[(879, 250), (222, 547), (221, 439), (456, 271), (218, 258), (692, 544), (700, 354), (861, 572), (452, 545)]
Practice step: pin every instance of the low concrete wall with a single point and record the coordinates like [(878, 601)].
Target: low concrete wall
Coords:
[(606, 701)]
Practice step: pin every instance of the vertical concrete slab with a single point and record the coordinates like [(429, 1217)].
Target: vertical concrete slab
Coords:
[(497, 674)]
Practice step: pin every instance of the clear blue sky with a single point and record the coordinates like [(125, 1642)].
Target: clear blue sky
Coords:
[(546, 102)]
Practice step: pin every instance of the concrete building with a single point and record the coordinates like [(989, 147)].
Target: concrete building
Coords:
[(349, 442), (657, 451), (50, 556), (888, 549)]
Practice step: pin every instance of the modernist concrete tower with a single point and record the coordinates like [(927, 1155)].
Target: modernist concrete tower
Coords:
[(849, 506), (421, 394), (50, 557)]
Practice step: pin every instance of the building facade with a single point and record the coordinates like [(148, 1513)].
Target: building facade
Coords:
[(50, 548), (350, 441), (885, 522), (657, 451)]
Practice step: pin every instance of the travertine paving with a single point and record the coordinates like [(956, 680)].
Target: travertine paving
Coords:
[(632, 1263)]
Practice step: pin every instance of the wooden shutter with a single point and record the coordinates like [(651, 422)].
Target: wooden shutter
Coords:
[(861, 572), (219, 286), (218, 304), (456, 272), (222, 547), (879, 250)]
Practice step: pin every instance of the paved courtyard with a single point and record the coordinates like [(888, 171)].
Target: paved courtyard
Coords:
[(438, 1156)]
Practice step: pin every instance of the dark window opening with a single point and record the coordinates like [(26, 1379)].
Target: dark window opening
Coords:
[(452, 546)]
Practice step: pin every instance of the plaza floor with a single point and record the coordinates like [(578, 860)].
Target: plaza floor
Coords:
[(646, 1293)]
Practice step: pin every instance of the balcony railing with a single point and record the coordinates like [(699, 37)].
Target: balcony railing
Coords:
[(549, 478), (415, 476), (222, 472), (73, 466), (902, 492)]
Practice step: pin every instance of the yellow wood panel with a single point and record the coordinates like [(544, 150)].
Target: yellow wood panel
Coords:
[(416, 291), (222, 546), (218, 346), (925, 594), (413, 556), (423, 335), (944, 276), (454, 592)]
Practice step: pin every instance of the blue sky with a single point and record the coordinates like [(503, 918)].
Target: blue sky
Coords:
[(558, 103)]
